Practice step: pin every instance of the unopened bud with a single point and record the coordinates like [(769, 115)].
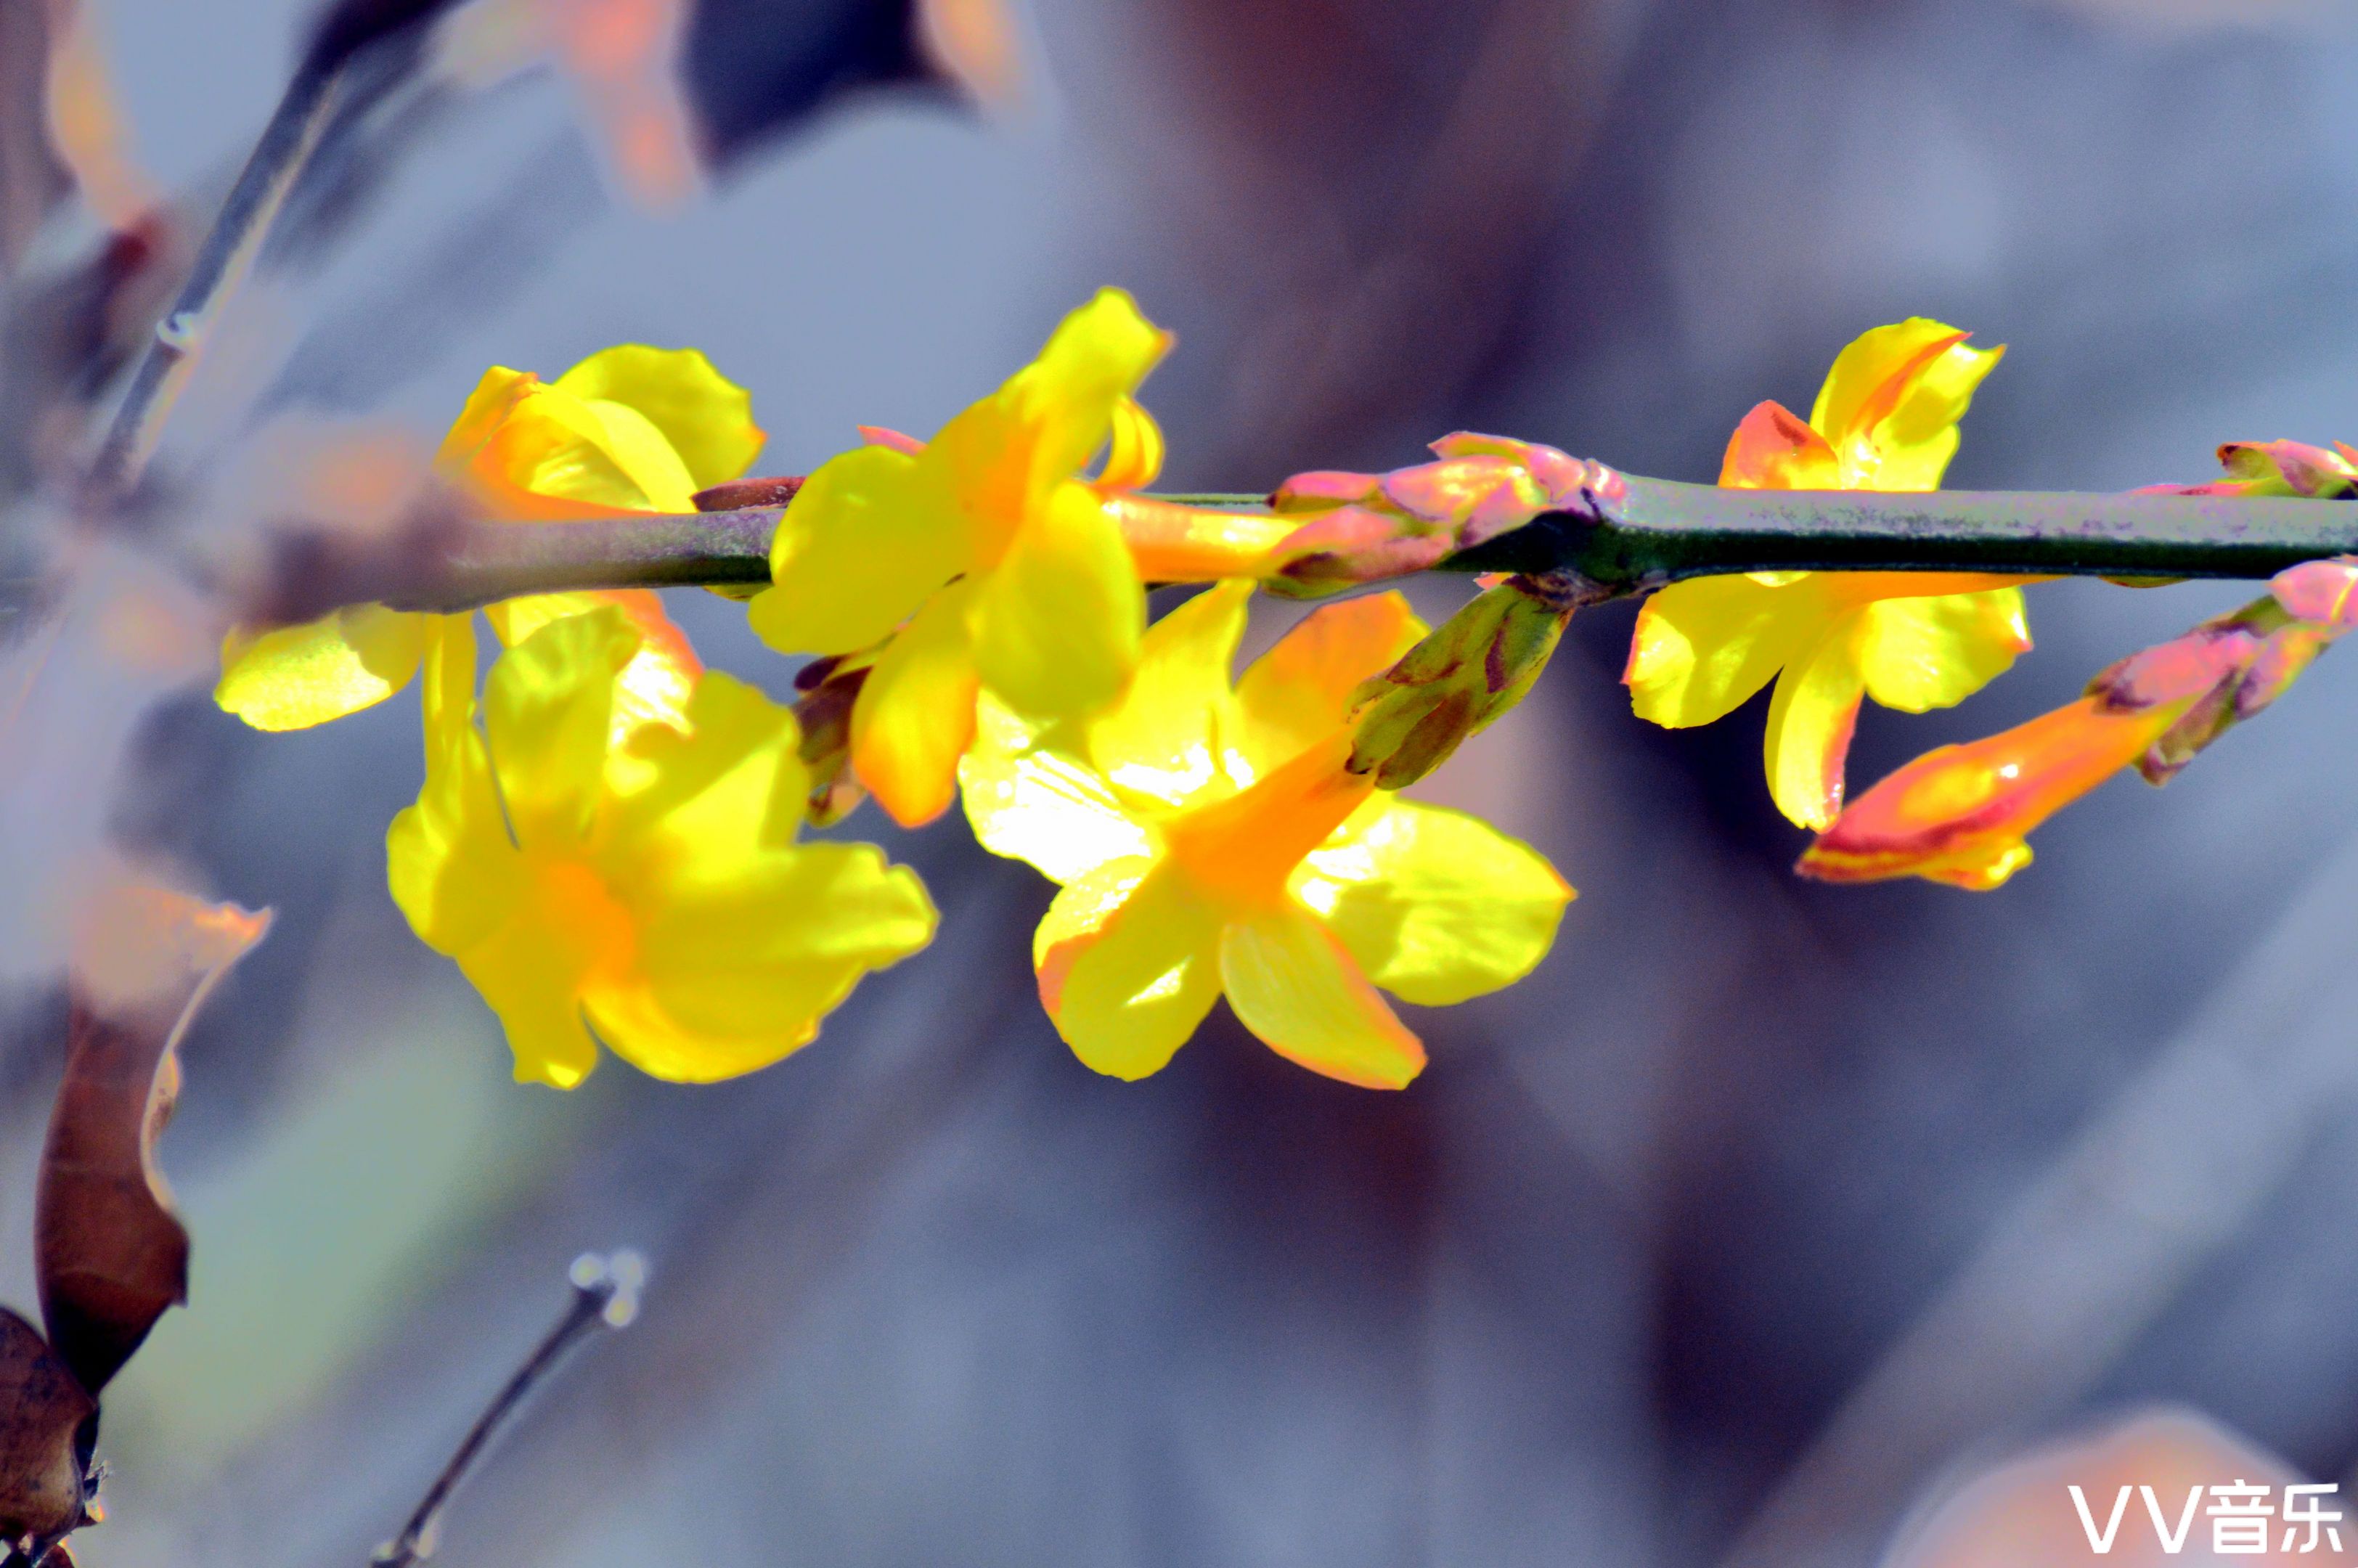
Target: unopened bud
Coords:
[(1468, 671), (2276, 468), (2233, 665), (830, 688), (1361, 528)]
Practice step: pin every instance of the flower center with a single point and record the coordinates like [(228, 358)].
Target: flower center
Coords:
[(1242, 849), (583, 920)]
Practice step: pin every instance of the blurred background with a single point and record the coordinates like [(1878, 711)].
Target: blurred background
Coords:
[(1769, 1223)]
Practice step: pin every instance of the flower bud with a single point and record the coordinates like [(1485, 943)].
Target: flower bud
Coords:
[(1959, 814), (830, 688), (1468, 672), (1362, 528), (2276, 468)]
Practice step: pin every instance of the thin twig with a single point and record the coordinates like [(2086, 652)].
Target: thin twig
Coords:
[(278, 156), (605, 1294)]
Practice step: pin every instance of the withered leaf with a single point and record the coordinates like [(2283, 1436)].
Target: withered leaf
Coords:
[(43, 1464), (109, 1252)]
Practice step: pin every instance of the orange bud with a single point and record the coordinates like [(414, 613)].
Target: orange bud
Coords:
[(1363, 528), (1959, 814)]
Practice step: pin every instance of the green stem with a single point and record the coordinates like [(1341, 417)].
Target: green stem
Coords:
[(1641, 533), (450, 565), (1628, 538)]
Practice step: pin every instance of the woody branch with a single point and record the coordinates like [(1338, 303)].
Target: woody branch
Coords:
[(1629, 534)]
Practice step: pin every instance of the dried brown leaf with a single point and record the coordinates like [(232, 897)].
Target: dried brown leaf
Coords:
[(110, 1254), (43, 1460)]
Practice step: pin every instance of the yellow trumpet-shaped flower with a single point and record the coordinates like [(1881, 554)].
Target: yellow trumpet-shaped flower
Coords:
[(982, 557), (646, 889), (630, 430), (1209, 839), (1962, 815), (1886, 419)]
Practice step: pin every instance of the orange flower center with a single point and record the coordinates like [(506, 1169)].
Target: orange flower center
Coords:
[(1241, 850), (584, 923)]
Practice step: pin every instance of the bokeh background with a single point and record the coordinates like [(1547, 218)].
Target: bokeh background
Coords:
[(1766, 1223)]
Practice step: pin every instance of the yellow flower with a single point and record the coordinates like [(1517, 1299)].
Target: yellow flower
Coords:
[(1886, 419), (1209, 839), (630, 430), (980, 556), (646, 889)]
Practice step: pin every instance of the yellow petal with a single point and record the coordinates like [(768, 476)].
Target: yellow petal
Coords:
[(534, 985), (1864, 382), (1128, 961), (867, 539), (1890, 404), (447, 703), (549, 454), (1436, 905), (1068, 397), (656, 684), (1294, 984), (1057, 625), (1163, 739), (495, 396), (1773, 450), (1041, 804), (632, 444), (914, 716), (734, 974), (979, 470), (546, 708), (1704, 646), (1921, 653), (1135, 457), (561, 927), (296, 676), (450, 863), (1810, 723), (703, 418), (999, 459), (1299, 691), (700, 800), (469, 892)]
